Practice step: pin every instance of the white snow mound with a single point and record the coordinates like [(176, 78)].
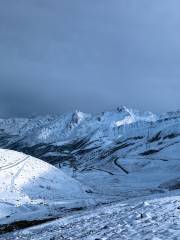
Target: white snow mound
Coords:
[(26, 181)]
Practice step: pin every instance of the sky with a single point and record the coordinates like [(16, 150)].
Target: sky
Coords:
[(90, 55)]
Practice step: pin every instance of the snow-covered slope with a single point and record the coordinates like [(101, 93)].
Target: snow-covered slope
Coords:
[(155, 217), (33, 189)]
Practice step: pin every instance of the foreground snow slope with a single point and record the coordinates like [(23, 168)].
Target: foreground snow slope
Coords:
[(33, 189), (147, 219)]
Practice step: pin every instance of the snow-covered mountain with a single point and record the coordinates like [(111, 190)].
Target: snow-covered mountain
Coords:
[(52, 129), (116, 154)]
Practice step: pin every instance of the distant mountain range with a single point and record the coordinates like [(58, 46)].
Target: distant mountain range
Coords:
[(57, 139)]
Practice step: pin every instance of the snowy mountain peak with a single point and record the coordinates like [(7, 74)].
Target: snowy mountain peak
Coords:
[(76, 118), (121, 108)]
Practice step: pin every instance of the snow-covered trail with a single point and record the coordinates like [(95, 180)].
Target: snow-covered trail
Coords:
[(156, 218)]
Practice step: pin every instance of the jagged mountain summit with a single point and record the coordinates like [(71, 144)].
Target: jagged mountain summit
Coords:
[(72, 125)]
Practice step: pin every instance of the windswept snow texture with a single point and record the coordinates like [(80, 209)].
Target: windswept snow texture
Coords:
[(156, 218), (33, 189)]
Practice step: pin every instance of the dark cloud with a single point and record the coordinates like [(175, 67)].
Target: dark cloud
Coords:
[(57, 56)]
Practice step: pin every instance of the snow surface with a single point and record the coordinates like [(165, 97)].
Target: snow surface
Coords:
[(155, 217), (32, 189)]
